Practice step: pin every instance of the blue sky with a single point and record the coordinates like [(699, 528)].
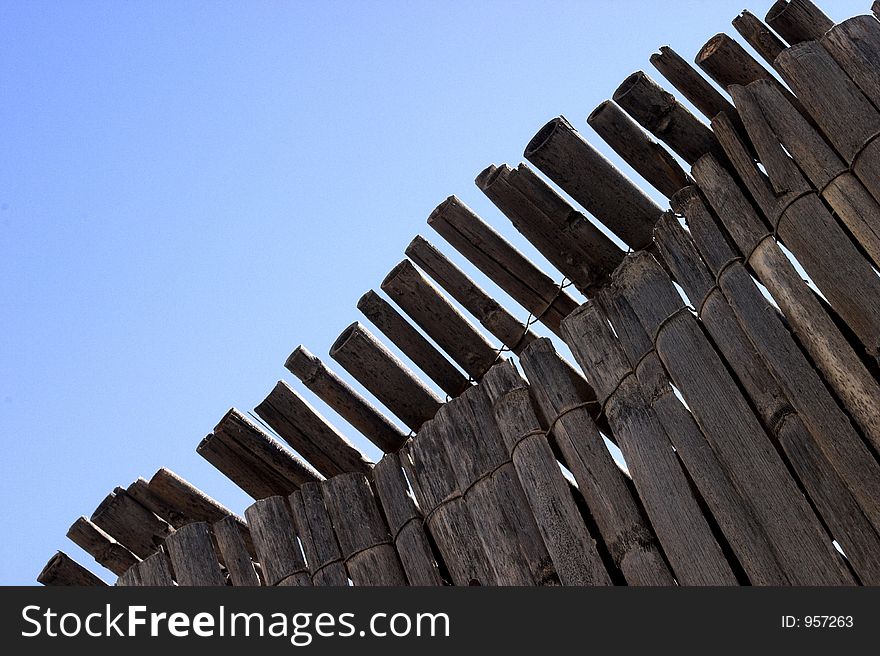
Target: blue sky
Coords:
[(188, 190)]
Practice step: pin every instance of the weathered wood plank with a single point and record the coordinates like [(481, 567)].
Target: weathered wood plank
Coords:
[(102, 546), (280, 556), (235, 551), (855, 46), (315, 530), (192, 555), (154, 571), (62, 570), (798, 20), (132, 525), (693, 86), (759, 36)]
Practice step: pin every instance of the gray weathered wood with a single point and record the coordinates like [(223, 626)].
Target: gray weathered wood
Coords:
[(102, 546), (594, 182), (831, 352), (693, 86), (192, 555), (569, 543), (62, 570), (259, 464), (405, 521), (132, 525), (501, 262), (803, 548), (154, 571), (315, 530), (427, 306), (567, 238), (313, 437), (658, 111), (235, 552), (281, 558), (759, 36), (798, 20), (344, 400), (385, 376), (370, 556), (409, 340), (855, 46)]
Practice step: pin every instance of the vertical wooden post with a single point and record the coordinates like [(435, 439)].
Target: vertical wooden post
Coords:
[(855, 45), (409, 340), (344, 400), (370, 556), (385, 376), (315, 530), (235, 551), (281, 558), (798, 20), (759, 36), (192, 556), (62, 570), (102, 546)]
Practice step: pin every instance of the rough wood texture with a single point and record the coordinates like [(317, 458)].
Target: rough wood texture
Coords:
[(798, 20), (235, 552), (256, 462), (855, 46), (802, 547), (649, 159), (446, 514), (62, 570), (691, 548), (658, 111), (313, 437), (501, 262), (274, 537), (409, 340), (370, 556), (567, 238), (727, 62), (759, 36), (803, 223), (315, 530), (816, 437), (839, 108), (427, 306), (875, 8), (827, 172), (693, 86), (192, 556), (569, 543), (831, 352), (405, 521), (154, 571), (344, 400), (102, 546), (594, 182), (132, 525), (385, 376)]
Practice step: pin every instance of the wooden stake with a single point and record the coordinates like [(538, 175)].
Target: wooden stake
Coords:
[(410, 341), (759, 36), (567, 238), (439, 319), (135, 527), (154, 571), (192, 556), (662, 115), (363, 536), (855, 45), (385, 376), (274, 536), (406, 523), (315, 531), (693, 86), (64, 570), (235, 551), (501, 262), (313, 437), (344, 400), (102, 546), (798, 20)]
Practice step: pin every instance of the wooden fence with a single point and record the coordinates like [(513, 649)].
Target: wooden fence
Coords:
[(745, 402)]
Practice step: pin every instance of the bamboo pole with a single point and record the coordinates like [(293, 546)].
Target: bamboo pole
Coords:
[(344, 400), (855, 46), (567, 238), (801, 544), (759, 36), (192, 555), (280, 556), (253, 460), (562, 154), (406, 523), (839, 108), (827, 172), (132, 525), (693, 86), (235, 551), (412, 343), (569, 543), (315, 530), (312, 436), (798, 20), (370, 557), (833, 355), (658, 111), (385, 376), (427, 306), (501, 262), (649, 159), (102, 546), (62, 570)]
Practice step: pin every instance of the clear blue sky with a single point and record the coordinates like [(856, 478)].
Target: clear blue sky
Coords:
[(188, 190)]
